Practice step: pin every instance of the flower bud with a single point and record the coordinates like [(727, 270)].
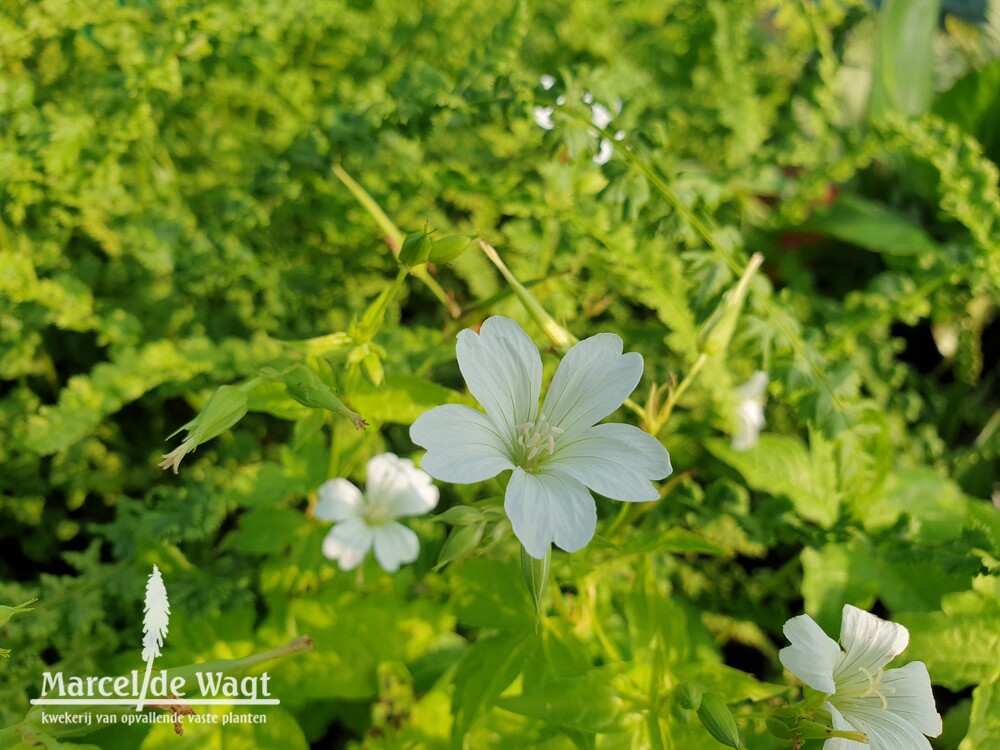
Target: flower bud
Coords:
[(460, 542), (226, 407), (7, 612), (559, 336), (304, 386), (460, 515), (447, 249), (415, 250), (536, 575), (778, 728), (718, 720), (718, 329), (689, 695)]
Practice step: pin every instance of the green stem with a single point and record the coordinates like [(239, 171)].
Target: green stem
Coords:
[(394, 238), (677, 392), (559, 336)]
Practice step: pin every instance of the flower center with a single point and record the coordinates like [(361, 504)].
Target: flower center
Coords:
[(875, 687), (376, 511), (536, 441)]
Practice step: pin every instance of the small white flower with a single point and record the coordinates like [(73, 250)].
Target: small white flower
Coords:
[(750, 411), (555, 452), (394, 488), (600, 116), (543, 117), (895, 707), (547, 81)]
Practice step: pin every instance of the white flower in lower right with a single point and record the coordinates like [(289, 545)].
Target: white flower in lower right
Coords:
[(894, 707)]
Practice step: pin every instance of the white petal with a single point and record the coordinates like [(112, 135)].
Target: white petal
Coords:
[(749, 421), (338, 500), (617, 460), (348, 542), (405, 490), (885, 730), (913, 699), (549, 507), (812, 655), (755, 387), (870, 642), (600, 116), (543, 117), (839, 722), (395, 544), (463, 445), (593, 379), (604, 152), (503, 370)]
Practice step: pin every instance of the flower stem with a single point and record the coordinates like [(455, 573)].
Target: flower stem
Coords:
[(394, 238), (561, 338), (677, 392)]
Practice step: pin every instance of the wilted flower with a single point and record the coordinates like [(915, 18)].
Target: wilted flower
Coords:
[(750, 411), (556, 452), (895, 707), (225, 408), (394, 488)]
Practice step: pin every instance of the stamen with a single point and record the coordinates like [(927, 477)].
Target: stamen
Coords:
[(536, 437), (874, 683)]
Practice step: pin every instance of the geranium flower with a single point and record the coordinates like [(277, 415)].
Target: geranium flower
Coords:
[(895, 707), (750, 411), (394, 488), (556, 452)]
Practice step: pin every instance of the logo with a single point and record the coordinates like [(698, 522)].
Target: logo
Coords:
[(154, 688)]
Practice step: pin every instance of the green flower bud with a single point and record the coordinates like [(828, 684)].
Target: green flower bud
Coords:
[(7, 612), (718, 720), (559, 336), (813, 730), (689, 695), (460, 542), (447, 249), (778, 728), (460, 515), (536, 575), (304, 386), (718, 329), (416, 248), (226, 407)]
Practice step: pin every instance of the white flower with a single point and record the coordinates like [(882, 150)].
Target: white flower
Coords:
[(556, 452), (750, 411), (394, 488), (895, 708), (543, 117)]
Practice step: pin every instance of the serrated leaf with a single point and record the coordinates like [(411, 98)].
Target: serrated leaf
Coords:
[(960, 644), (782, 465)]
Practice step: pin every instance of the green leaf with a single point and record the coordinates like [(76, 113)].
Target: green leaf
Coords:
[(984, 721), (588, 703), (960, 644), (402, 399), (973, 103), (278, 730), (835, 575), (904, 63), (781, 465), (487, 669), (870, 225)]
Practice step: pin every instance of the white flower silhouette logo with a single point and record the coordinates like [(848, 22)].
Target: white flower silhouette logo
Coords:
[(154, 626)]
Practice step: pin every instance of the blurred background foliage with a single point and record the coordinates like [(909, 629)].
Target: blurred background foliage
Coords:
[(168, 217)]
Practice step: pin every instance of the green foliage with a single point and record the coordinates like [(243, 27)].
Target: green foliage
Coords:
[(299, 204)]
